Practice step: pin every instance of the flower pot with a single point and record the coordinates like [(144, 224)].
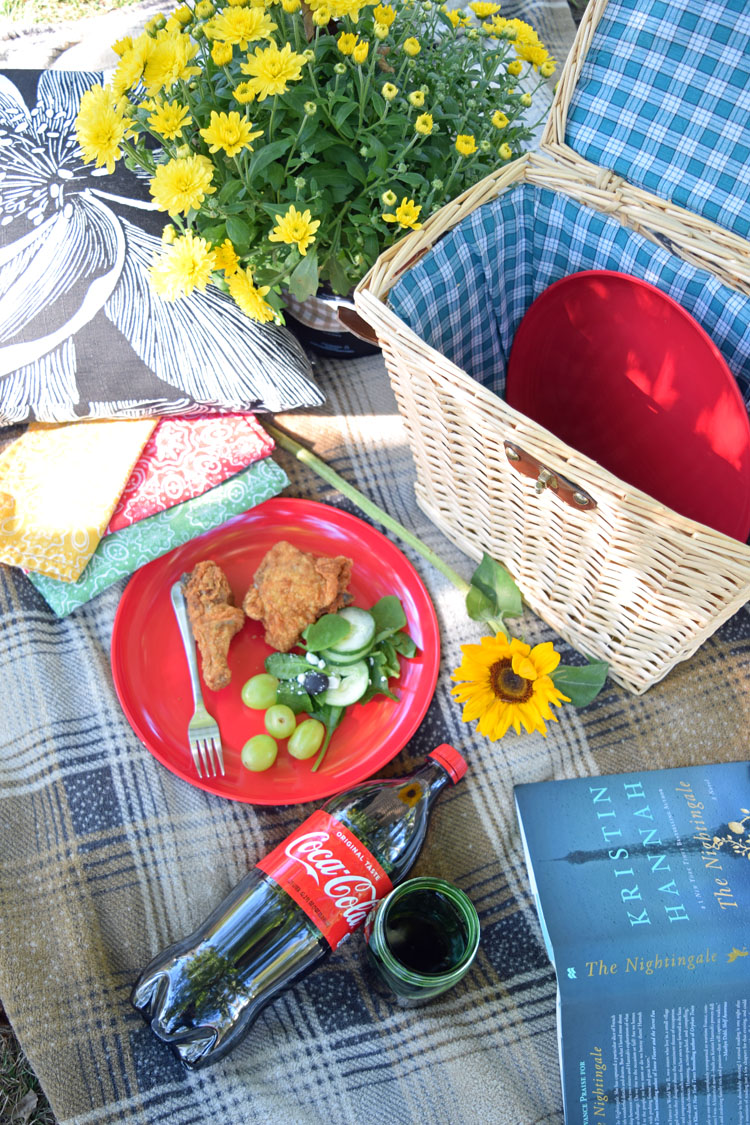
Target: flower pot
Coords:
[(318, 323)]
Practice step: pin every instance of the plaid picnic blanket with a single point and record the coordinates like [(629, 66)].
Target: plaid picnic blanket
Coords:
[(107, 856)]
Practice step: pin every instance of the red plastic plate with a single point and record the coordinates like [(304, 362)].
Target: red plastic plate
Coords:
[(621, 372), (151, 677)]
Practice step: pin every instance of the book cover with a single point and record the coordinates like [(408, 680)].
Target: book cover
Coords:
[(642, 885)]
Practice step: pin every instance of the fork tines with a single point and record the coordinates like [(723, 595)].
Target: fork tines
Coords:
[(206, 753)]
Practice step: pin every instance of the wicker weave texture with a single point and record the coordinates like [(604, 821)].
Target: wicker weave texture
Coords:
[(630, 581)]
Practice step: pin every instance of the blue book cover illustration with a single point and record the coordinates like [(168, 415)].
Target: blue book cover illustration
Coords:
[(642, 885)]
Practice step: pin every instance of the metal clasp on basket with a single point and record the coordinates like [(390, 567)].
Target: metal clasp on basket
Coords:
[(545, 478)]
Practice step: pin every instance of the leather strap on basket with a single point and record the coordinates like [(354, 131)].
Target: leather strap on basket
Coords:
[(529, 466)]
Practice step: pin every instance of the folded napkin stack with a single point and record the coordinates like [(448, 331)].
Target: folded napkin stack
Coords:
[(84, 504)]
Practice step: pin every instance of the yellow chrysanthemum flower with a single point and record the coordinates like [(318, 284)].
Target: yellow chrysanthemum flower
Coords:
[(129, 71), (225, 258), (346, 42), (291, 6), (360, 52), (321, 17), (296, 228), (499, 120), (466, 144), (100, 127), (424, 124), (184, 266), (416, 98), (243, 93), (168, 234), (458, 19), (272, 69), (122, 45), (169, 119), (505, 152), (230, 132), (336, 9), (506, 683), (241, 26), (412, 46), (483, 10), (182, 184), (169, 61), (183, 15), (389, 91), (406, 215), (389, 198), (380, 31), (548, 68), (384, 14), (514, 67), (250, 298), (222, 52)]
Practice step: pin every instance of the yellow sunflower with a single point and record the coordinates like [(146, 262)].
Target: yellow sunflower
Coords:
[(506, 683)]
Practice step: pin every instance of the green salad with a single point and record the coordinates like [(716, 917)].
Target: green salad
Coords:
[(347, 657)]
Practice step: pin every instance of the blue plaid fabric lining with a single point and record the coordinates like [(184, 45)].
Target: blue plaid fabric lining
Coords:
[(664, 101), (467, 296)]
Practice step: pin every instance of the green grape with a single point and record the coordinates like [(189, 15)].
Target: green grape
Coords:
[(306, 739), (259, 753), (260, 692), (280, 720)]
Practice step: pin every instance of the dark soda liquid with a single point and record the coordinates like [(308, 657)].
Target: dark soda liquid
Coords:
[(426, 933)]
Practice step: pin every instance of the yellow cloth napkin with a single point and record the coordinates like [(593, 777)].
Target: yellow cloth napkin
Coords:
[(59, 484)]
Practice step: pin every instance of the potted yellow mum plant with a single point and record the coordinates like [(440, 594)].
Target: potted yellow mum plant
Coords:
[(288, 142)]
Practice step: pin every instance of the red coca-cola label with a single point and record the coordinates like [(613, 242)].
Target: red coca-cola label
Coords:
[(329, 873)]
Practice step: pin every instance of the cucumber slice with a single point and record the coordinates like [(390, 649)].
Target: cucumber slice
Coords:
[(340, 659), (361, 629), (355, 679)]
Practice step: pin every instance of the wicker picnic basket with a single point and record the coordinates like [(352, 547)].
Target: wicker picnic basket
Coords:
[(618, 575)]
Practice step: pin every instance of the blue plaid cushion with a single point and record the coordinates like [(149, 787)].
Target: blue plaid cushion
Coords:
[(664, 101), (467, 296)]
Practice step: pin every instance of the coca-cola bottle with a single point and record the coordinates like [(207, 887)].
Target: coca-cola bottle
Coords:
[(202, 994)]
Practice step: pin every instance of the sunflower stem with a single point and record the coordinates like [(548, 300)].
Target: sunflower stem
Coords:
[(369, 508)]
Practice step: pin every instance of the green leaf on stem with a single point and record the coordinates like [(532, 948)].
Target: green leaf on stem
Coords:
[(303, 282), (493, 592), (581, 682)]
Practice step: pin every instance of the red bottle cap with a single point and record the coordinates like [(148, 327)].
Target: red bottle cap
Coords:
[(451, 761)]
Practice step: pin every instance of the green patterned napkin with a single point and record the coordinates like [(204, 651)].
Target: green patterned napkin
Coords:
[(122, 552)]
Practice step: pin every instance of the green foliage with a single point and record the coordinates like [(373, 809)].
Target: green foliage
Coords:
[(581, 683), (493, 593), (331, 144)]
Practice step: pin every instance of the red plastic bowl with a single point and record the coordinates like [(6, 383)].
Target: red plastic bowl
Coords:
[(621, 372)]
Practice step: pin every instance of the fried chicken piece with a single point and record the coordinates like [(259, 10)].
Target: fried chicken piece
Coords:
[(214, 619), (293, 588)]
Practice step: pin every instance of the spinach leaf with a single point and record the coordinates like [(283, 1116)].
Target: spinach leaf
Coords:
[(285, 665), (326, 632)]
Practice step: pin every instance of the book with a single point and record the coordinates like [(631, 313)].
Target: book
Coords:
[(642, 886)]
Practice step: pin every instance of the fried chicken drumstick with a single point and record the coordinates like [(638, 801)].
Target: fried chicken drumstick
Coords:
[(293, 588), (214, 619)]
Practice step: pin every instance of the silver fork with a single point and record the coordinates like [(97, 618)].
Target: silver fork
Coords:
[(203, 730)]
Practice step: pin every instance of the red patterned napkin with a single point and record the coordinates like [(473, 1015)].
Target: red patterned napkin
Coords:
[(183, 458)]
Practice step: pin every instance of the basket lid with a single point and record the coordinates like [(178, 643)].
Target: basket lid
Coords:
[(662, 100)]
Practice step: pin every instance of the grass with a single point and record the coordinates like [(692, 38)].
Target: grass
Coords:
[(42, 12), (21, 1099)]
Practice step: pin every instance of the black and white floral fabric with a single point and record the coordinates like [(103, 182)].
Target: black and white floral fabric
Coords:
[(81, 332)]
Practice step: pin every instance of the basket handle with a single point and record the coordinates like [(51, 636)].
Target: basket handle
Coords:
[(529, 466), (355, 324)]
